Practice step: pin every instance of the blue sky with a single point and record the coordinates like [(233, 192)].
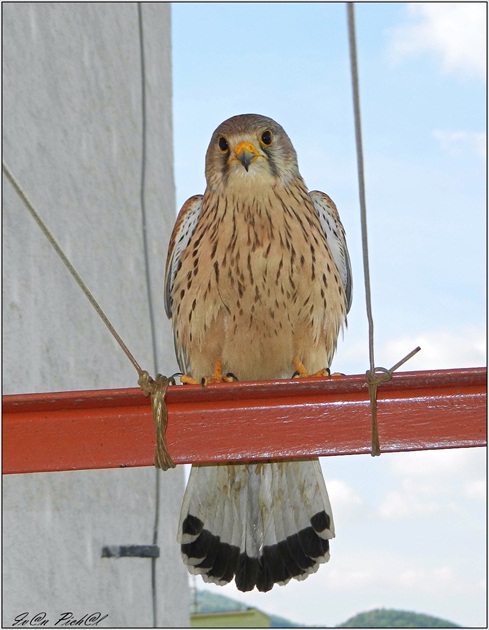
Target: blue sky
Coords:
[(411, 527)]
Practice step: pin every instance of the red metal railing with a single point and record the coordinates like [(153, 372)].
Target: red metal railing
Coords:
[(244, 421)]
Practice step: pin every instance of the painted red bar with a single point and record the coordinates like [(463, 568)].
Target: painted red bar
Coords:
[(244, 421)]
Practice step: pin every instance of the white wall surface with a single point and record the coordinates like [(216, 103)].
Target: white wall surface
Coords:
[(94, 164)]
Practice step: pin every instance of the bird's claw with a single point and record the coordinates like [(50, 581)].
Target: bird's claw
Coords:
[(324, 373), (216, 377), (301, 372)]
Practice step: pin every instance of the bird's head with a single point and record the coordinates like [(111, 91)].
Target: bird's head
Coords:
[(247, 151)]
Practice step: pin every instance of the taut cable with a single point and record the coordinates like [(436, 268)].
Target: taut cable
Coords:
[(374, 376), (150, 387)]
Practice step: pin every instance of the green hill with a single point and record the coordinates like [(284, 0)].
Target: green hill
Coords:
[(204, 601), (384, 618)]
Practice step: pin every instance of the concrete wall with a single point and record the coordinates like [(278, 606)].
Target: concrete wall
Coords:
[(96, 166)]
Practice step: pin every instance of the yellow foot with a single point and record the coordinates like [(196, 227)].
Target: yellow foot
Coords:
[(301, 372), (217, 376)]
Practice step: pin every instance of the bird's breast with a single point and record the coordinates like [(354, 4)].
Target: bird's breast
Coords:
[(253, 284)]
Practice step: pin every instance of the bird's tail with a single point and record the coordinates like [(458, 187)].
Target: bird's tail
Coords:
[(260, 524)]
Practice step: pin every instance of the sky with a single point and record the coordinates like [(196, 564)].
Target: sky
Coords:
[(411, 527)]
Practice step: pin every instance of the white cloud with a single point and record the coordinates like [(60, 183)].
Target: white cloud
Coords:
[(440, 349), (417, 498), (476, 489), (342, 579), (454, 32), (430, 580), (460, 347), (457, 143), (402, 505), (433, 483), (430, 463), (344, 499)]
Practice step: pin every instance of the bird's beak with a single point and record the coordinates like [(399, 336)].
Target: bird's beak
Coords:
[(245, 152)]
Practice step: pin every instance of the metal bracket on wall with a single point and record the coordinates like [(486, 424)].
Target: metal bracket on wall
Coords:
[(131, 551)]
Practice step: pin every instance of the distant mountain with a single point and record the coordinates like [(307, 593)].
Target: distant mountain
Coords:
[(384, 618), (203, 601)]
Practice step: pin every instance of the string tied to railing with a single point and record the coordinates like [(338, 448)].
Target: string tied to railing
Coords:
[(157, 390), (375, 376), (150, 387)]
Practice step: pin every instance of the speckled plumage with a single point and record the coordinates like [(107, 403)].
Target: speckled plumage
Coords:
[(258, 277)]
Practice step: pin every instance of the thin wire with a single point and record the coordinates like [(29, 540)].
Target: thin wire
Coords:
[(69, 266), (150, 297), (361, 178), (155, 388), (147, 265), (373, 379), (375, 376)]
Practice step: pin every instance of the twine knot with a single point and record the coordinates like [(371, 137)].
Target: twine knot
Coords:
[(156, 388), (375, 377)]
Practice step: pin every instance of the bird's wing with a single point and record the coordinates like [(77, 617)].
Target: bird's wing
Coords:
[(185, 225), (335, 236)]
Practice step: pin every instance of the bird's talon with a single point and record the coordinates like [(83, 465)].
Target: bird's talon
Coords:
[(325, 373), (301, 371), (186, 379), (216, 377)]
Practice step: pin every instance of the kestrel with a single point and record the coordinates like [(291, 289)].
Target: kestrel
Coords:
[(258, 284)]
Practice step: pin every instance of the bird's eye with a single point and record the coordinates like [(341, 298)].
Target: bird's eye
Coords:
[(266, 137), (223, 144)]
